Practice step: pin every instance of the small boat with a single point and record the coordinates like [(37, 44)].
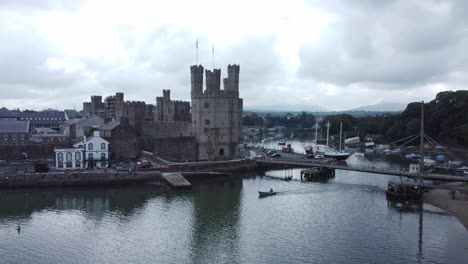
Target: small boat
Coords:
[(265, 194), (281, 143)]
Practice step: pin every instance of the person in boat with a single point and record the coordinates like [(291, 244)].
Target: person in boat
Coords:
[(271, 190)]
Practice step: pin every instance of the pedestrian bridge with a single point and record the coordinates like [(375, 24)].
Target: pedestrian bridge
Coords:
[(269, 164)]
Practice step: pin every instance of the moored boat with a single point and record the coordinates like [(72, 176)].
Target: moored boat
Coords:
[(287, 178), (338, 155)]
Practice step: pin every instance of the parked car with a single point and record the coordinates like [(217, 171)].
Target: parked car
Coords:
[(310, 156), (144, 164), (276, 155)]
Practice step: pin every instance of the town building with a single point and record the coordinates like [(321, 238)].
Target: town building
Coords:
[(49, 119), (89, 153), (122, 137), (14, 132), (44, 135), (6, 114), (77, 128)]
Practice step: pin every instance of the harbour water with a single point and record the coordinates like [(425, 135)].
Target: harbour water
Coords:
[(344, 220)]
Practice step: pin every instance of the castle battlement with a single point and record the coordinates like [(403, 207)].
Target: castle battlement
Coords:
[(218, 93)]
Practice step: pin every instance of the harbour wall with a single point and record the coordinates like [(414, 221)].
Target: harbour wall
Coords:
[(83, 178), (57, 179)]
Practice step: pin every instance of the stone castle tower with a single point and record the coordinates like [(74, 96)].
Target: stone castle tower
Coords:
[(216, 113)]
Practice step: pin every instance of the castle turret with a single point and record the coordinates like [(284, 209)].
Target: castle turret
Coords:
[(196, 74), (166, 95), (225, 84), (213, 80), (233, 77)]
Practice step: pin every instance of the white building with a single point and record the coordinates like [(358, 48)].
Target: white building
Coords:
[(92, 152), (414, 168)]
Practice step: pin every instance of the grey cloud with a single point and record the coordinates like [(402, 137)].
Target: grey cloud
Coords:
[(398, 43)]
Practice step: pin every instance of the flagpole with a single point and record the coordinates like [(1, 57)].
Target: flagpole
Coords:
[(212, 49), (197, 50)]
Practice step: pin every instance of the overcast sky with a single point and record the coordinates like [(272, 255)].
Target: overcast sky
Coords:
[(335, 54)]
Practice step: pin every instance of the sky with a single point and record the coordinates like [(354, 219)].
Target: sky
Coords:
[(293, 54)]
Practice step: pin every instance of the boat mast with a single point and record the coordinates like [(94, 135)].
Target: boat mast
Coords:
[(421, 144), (316, 125), (341, 129), (328, 130)]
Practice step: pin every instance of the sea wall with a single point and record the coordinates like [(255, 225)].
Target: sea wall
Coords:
[(76, 179), (220, 166)]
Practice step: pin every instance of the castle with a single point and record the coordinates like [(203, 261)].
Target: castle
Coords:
[(209, 129)]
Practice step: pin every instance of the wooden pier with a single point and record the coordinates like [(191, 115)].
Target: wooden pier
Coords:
[(317, 174)]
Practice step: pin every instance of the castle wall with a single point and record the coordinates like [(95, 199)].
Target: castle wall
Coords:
[(178, 148), (163, 129)]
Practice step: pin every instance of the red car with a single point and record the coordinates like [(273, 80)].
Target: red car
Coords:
[(144, 164)]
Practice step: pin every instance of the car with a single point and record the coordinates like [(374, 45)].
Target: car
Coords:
[(271, 152), (310, 156), (144, 165), (275, 155)]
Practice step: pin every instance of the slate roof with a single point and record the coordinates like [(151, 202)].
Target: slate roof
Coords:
[(5, 113), (43, 118), (109, 126), (71, 114), (14, 126)]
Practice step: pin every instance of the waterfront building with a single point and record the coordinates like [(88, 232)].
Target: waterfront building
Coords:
[(90, 153)]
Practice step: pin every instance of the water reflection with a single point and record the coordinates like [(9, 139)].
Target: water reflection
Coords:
[(92, 202), (216, 222)]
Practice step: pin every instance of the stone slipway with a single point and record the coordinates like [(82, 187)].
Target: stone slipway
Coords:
[(176, 180)]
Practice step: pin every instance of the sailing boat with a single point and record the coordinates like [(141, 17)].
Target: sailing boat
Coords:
[(317, 149), (340, 154)]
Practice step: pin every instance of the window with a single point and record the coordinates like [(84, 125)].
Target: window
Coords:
[(69, 156), (221, 152), (60, 156), (207, 122), (90, 156), (207, 105), (103, 156), (103, 146), (90, 146), (77, 156)]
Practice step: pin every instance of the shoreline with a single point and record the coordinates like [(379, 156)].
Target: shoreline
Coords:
[(443, 200)]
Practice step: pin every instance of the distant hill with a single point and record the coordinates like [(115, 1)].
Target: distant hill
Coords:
[(293, 108), (381, 107)]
